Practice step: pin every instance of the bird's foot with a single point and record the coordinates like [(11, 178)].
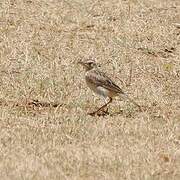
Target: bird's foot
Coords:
[(101, 112), (92, 113)]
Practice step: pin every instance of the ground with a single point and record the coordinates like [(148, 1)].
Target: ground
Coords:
[(45, 132)]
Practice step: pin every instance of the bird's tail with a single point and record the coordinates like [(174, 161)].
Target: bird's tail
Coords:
[(130, 99)]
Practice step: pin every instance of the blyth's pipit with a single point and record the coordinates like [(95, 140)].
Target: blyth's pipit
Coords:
[(102, 85)]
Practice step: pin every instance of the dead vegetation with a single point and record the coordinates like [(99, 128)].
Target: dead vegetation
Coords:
[(45, 132)]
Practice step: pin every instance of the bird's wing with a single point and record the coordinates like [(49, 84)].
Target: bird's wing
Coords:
[(101, 79)]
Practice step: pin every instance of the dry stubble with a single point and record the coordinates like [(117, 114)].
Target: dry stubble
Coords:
[(40, 43)]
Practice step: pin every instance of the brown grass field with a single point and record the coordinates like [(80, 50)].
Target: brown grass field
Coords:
[(45, 132)]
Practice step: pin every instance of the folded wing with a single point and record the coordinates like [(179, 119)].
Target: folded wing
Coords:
[(101, 79)]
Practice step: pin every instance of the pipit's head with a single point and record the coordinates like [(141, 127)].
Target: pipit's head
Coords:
[(88, 64)]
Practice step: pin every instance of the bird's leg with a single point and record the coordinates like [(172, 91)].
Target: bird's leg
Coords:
[(102, 107), (105, 109)]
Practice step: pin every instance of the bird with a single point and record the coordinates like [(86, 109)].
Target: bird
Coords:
[(102, 85)]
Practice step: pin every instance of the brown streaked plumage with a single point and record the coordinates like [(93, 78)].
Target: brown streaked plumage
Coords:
[(101, 84), (99, 78)]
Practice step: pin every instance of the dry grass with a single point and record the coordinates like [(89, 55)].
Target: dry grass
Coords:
[(53, 137)]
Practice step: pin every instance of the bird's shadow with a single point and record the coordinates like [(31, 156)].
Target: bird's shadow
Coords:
[(105, 113), (111, 114), (100, 113)]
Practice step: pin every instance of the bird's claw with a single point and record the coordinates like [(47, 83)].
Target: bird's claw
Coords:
[(99, 113)]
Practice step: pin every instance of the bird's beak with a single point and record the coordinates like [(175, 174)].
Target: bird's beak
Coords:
[(79, 62)]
